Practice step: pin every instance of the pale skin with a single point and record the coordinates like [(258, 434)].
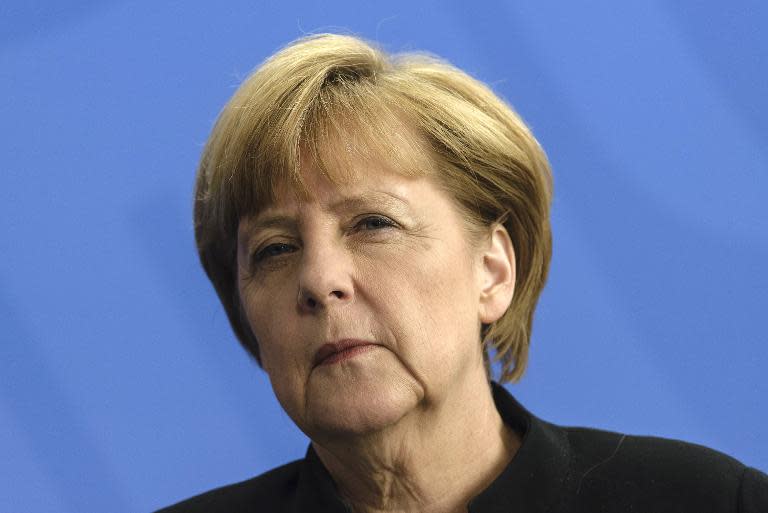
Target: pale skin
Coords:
[(409, 424)]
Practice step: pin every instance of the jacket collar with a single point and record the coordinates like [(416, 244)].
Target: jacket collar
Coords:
[(532, 481)]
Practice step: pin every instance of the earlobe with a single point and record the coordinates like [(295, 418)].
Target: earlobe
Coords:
[(498, 275)]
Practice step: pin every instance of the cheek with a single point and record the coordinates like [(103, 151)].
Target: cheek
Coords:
[(441, 280), (274, 331), (425, 298), (284, 360)]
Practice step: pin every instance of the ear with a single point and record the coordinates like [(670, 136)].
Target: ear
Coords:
[(497, 275)]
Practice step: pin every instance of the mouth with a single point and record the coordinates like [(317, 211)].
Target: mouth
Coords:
[(335, 352)]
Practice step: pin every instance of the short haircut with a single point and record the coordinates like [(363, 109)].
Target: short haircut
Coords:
[(337, 97)]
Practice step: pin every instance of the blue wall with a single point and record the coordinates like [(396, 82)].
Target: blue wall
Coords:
[(121, 386)]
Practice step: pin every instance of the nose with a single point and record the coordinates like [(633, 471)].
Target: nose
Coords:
[(325, 277)]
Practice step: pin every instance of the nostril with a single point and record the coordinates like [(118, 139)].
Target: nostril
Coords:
[(310, 301)]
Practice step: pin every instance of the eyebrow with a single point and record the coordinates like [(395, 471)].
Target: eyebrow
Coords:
[(273, 221), (263, 222), (353, 202)]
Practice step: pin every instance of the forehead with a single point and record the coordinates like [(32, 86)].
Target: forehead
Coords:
[(341, 174), (364, 187), (341, 162), (371, 185)]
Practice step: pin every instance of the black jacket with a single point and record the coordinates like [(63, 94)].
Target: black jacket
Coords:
[(556, 470)]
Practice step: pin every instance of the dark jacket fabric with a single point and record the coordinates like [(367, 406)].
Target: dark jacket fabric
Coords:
[(556, 470)]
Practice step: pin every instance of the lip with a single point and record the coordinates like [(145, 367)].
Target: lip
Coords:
[(333, 352)]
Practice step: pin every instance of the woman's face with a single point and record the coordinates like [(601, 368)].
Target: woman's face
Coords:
[(383, 261)]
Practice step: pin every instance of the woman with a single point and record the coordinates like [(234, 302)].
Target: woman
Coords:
[(377, 230)]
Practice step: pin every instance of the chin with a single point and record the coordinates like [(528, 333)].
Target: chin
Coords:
[(351, 401)]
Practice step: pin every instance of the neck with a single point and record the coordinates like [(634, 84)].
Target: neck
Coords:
[(436, 459)]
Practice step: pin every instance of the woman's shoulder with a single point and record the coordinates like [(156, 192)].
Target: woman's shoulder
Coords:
[(658, 473), (576, 469), (269, 491), (600, 447)]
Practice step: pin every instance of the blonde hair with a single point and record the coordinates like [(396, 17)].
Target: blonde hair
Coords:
[(336, 98)]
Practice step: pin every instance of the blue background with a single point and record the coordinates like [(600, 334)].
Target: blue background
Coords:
[(121, 386)]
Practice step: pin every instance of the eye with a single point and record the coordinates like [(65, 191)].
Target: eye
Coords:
[(373, 223), (273, 250)]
